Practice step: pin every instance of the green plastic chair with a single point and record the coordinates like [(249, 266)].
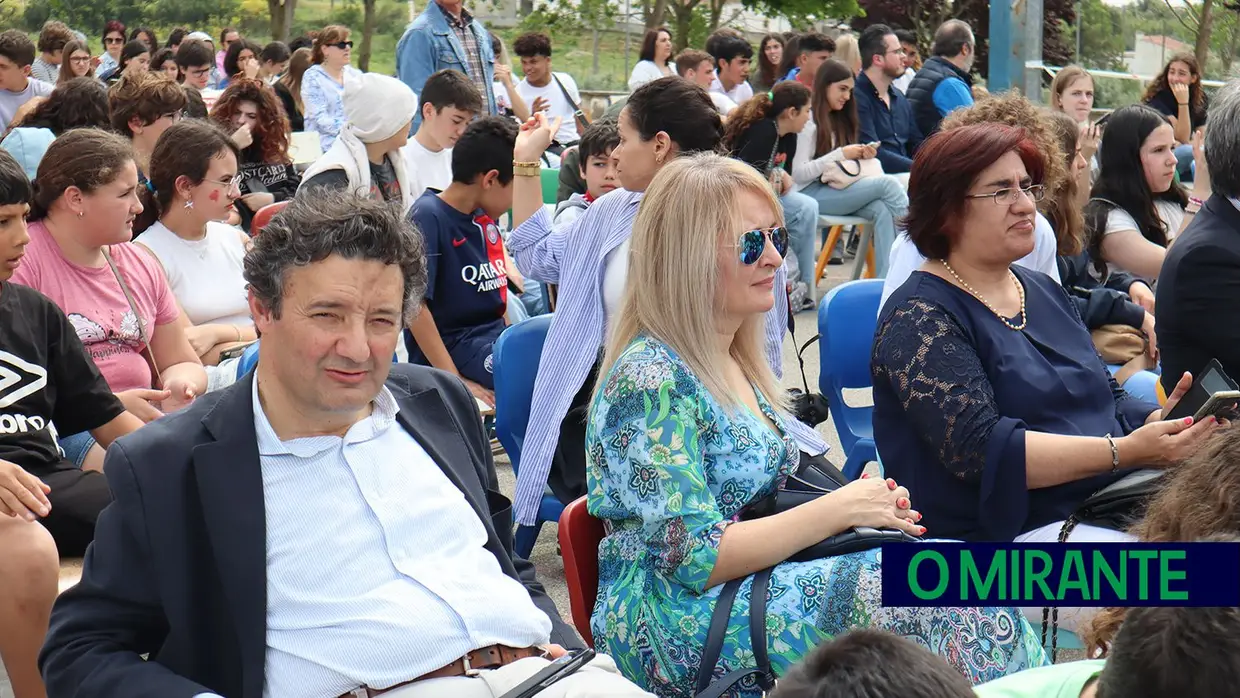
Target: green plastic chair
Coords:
[(550, 185)]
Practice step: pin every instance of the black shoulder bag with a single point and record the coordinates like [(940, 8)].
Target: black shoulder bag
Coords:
[(808, 407)]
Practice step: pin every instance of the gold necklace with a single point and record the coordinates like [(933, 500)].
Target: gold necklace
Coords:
[(1024, 319)]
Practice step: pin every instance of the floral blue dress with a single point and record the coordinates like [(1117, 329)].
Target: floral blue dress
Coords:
[(668, 468)]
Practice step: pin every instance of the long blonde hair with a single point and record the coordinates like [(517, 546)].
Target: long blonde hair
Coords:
[(689, 210), (848, 52)]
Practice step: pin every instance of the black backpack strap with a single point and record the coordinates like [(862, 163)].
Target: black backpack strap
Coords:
[(714, 639), (725, 684), (757, 628)]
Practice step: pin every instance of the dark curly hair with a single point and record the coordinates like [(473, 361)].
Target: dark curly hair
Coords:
[(78, 103), (271, 134)]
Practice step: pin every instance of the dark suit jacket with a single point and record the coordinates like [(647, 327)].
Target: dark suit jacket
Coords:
[(1197, 310), (178, 565)]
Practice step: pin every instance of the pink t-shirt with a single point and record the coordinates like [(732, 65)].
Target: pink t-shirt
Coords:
[(96, 304)]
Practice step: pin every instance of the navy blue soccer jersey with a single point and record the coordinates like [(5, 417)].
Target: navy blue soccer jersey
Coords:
[(467, 282)]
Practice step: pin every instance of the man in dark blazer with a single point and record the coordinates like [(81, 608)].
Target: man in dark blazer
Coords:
[(1197, 308), (328, 526)]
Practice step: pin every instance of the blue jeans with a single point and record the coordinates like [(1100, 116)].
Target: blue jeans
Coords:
[(880, 199), (1184, 162), (76, 446), (801, 220)]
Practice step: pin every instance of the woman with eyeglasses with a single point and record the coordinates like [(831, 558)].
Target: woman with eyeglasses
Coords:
[(322, 87), (74, 62), (113, 42), (142, 108), (688, 426), (990, 401), (117, 299), (589, 258), (194, 183)]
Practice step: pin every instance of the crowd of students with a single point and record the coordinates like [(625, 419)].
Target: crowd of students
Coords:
[(1006, 234)]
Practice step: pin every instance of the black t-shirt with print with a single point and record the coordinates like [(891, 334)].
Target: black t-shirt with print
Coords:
[(46, 378)]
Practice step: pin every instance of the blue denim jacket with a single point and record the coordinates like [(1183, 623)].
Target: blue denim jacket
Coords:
[(429, 45)]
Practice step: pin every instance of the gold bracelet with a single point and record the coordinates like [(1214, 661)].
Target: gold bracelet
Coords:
[(527, 169), (238, 329)]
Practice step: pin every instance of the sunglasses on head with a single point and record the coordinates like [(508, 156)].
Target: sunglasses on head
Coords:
[(342, 45), (753, 243)]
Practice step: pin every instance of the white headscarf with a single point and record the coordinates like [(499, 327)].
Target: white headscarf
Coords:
[(376, 107)]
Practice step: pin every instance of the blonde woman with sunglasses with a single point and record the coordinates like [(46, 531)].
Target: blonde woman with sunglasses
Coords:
[(688, 427)]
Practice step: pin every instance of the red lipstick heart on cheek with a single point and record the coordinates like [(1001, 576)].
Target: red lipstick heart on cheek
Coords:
[(215, 196)]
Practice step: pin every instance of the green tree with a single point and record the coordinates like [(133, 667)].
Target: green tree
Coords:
[(1102, 36), (803, 13)]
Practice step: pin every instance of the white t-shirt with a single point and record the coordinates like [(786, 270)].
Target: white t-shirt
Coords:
[(205, 275), (738, 94), (901, 83), (722, 102), (426, 168), (558, 104), (10, 101), (644, 72), (1169, 214), (615, 275), (905, 259)]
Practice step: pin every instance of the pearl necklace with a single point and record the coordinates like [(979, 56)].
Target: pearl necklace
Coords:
[(1024, 319)]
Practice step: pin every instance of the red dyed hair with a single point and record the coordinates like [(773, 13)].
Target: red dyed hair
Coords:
[(944, 171), (271, 133)]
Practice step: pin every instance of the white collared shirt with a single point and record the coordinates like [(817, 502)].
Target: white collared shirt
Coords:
[(376, 567)]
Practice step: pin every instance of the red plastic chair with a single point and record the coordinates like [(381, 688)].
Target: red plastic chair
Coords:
[(264, 215), (580, 535)]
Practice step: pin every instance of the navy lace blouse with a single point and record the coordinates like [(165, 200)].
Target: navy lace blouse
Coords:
[(955, 390)]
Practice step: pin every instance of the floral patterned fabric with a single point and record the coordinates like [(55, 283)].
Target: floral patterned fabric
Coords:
[(669, 468)]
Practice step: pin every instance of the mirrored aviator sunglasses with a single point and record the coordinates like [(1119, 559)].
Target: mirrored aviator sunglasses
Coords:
[(753, 242)]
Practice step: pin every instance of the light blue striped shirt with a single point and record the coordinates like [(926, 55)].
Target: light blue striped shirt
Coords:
[(377, 570), (573, 256)]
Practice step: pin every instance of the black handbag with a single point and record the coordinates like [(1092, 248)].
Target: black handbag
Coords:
[(812, 479), (1117, 506), (807, 406)]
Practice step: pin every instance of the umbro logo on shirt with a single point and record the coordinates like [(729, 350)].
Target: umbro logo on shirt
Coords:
[(19, 379)]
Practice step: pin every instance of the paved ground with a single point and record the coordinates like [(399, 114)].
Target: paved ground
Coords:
[(547, 560)]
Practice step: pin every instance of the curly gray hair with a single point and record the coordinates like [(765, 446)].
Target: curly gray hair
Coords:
[(352, 225)]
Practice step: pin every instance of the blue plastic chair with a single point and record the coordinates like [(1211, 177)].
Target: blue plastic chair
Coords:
[(249, 357), (515, 356), (847, 318)]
